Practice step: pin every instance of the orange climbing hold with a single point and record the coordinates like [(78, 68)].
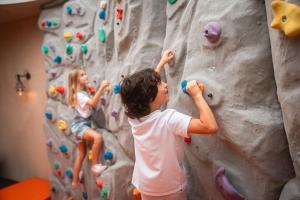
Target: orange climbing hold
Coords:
[(99, 183), (137, 194), (60, 89), (79, 36)]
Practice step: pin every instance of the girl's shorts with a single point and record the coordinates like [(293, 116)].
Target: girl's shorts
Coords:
[(78, 127)]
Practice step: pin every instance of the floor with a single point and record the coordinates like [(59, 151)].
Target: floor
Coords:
[(6, 182)]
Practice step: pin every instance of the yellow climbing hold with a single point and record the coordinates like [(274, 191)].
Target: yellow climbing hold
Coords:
[(286, 18), (90, 155), (52, 90), (62, 125), (136, 194), (68, 35)]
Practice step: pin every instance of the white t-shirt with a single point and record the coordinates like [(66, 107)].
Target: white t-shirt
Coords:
[(81, 105), (159, 152)]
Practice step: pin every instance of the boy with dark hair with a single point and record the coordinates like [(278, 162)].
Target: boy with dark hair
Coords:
[(158, 172)]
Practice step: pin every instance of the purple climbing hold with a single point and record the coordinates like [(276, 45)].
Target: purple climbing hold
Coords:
[(50, 143), (115, 114), (212, 31), (103, 100), (225, 187), (78, 10)]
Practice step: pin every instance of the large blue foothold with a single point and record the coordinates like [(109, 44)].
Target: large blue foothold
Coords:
[(85, 195), (102, 14), (69, 173), (69, 10), (48, 23), (183, 86), (57, 59), (108, 155), (48, 115), (117, 89), (63, 148)]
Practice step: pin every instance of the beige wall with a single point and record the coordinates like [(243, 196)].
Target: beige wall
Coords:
[(23, 151)]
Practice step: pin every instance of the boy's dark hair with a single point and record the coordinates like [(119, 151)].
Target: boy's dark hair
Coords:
[(138, 91)]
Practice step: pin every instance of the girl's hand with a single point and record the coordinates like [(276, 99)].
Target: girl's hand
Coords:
[(104, 84), (194, 88), (167, 56)]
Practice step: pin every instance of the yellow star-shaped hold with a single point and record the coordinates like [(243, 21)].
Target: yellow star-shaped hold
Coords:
[(286, 18)]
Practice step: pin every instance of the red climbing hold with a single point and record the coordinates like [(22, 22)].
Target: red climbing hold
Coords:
[(99, 183), (79, 36), (43, 23), (119, 13), (58, 172), (91, 89), (60, 89), (188, 140)]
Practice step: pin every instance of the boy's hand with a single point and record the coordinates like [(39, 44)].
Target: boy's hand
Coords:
[(167, 56), (194, 88), (104, 84)]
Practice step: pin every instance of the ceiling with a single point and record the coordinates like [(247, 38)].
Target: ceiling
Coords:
[(13, 10)]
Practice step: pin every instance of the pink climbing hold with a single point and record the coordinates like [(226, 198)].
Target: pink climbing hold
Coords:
[(212, 31), (119, 13)]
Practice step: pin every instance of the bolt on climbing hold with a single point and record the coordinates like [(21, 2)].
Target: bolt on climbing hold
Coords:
[(117, 89), (119, 13), (136, 194), (69, 49), (69, 9), (68, 35), (49, 143), (62, 125), (56, 165), (48, 23), (49, 115), (104, 193), (69, 173), (78, 9), (58, 172), (43, 24), (57, 59), (53, 189), (172, 1), (103, 100), (212, 31), (115, 114), (79, 35), (184, 84), (91, 89), (52, 90), (102, 14), (188, 140), (99, 183), (108, 157), (63, 148), (101, 35), (286, 18), (45, 49), (85, 195), (84, 48), (60, 89)]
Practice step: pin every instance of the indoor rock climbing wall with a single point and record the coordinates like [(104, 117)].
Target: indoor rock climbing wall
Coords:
[(224, 44)]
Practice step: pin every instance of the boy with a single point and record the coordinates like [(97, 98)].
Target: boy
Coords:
[(158, 135)]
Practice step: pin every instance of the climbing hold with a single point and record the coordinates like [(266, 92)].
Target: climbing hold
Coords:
[(117, 89), (91, 89), (90, 155), (212, 31), (103, 100), (78, 9), (57, 59), (52, 90), (101, 35), (188, 140), (43, 24), (70, 198), (225, 187), (63, 148), (102, 14), (69, 173), (69, 10), (68, 35), (79, 35), (59, 173), (286, 18), (99, 183), (48, 23), (84, 48), (119, 13), (108, 156), (53, 189), (60, 89), (49, 115), (104, 193), (56, 165), (49, 143), (103, 4), (45, 49), (55, 22), (184, 84), (115, 114), (62, 125), (210, 95), (69, 49), (136, 194), (85, 195), (172, 1)]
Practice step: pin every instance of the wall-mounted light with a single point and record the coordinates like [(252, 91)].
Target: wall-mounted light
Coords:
[(19, 85)]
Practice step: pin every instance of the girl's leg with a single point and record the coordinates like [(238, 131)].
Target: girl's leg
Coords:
[(78, 162), (94, 136)]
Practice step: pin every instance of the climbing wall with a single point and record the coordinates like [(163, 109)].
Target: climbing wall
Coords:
[(224, 44)]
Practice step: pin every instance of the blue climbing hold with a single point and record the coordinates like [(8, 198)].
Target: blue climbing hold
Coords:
[(69, 10), (117, 89), (108, 155), (183, 86), (57, 59), (53, 189), (63, 148), (48, 115), (102, 14), (69, 173), (85, 195), (48, 23)]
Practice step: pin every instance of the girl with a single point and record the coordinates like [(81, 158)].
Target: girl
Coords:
[(83, 106)]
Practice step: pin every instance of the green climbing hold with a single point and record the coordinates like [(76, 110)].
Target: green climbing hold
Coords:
[(45, 48), (69, 49), (172, 1), (84, 48), (101, 35), (104, 193), (55, 165)]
